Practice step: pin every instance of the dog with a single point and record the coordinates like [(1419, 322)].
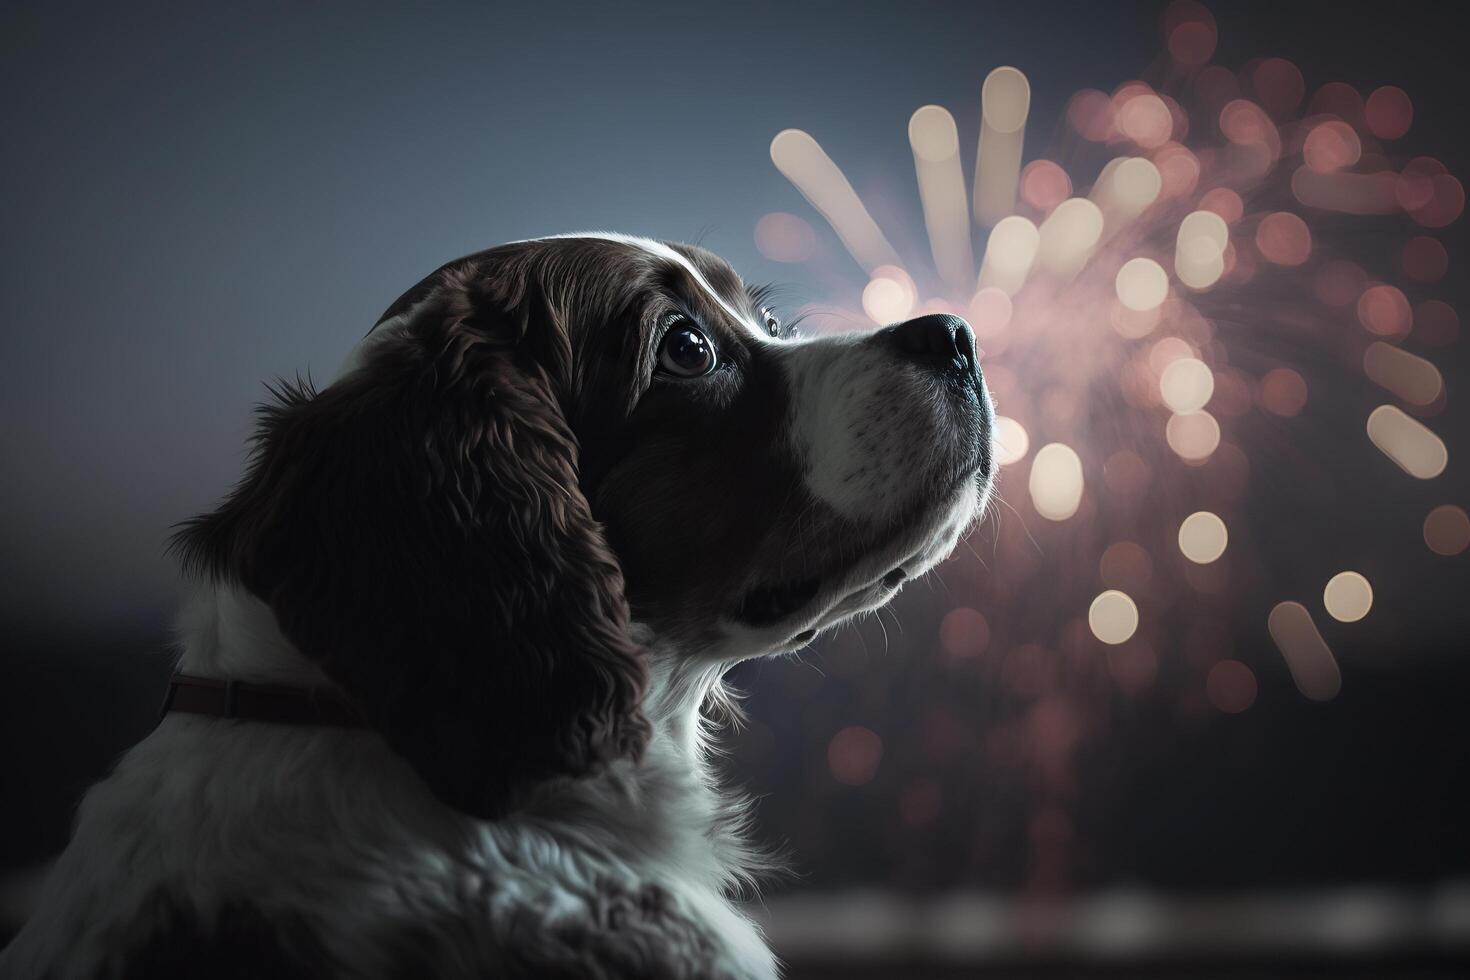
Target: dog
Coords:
[(451, 662)]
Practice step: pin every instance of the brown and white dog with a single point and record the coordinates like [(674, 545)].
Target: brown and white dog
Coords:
[(555, 494)]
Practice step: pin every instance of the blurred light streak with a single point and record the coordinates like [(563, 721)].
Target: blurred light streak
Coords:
[(1409, 376), (803, 162), (1310, 660), (1009, 253), (1124, 190), (1005, 102), (1418, 451), (1347, 597), (1375, 193), (1199, 249), (1068, 235), (935, 141)]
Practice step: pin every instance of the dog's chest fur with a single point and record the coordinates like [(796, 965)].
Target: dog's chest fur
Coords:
[(312, 851)]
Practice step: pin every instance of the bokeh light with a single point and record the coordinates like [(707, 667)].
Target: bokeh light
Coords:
[(1307, 655), (1142, 284), (1113, 617), (1193, 435), (1408, 442), (1202, 537), (1194, 299), (1056, 481), (1447, 530), (1389, 112), (1010, 441), (1283, 392), (963, 633), (1348, 597), (1384, 310), (853, 755), (1284, 238), (1231, 686), (783, 237), (1186, 385)]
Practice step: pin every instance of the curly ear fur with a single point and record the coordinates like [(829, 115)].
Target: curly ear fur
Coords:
[(418, 529)]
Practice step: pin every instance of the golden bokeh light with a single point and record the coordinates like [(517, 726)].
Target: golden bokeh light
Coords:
[(1348, 597), (1313, 667), (887, 299), (1142, 284), (1056, 481), (1186, 385), (1113, 617), (1192, 435), (1203, 537), (1418, 451), (1009, 441)]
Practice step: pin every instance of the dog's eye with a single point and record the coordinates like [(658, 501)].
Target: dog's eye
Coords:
[(772, 322), (685, 352)]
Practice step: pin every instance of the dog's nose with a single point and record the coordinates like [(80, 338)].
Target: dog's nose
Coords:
[(940, 341)]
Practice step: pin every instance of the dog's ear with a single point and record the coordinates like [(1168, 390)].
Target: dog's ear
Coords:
[(418, 530)]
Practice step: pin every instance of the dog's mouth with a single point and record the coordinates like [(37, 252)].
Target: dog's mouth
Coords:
[(767, 605)]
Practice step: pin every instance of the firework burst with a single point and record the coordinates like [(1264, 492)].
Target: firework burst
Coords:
[(1152, 338)]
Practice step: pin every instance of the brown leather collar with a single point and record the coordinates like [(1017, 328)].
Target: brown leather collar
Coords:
[(261, 702)]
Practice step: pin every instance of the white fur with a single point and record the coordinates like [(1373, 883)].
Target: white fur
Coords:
[(331, 824)]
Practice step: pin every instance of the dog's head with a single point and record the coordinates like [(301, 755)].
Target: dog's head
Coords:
[(541, 443)]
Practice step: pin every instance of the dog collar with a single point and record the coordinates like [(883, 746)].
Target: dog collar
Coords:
[(276, 704)]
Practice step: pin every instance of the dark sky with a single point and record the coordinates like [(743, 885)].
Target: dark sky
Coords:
[(199, 197)]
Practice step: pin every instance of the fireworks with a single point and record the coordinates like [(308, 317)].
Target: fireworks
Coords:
[(1131, 330), (1158, 300)]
